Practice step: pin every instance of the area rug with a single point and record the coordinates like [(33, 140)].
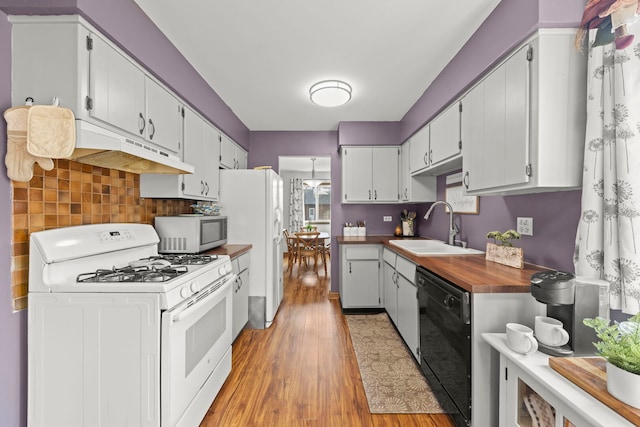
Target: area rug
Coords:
[(392, 380)]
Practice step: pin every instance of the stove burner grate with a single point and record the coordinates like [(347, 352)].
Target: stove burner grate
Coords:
[(133, 274), (186, 259)]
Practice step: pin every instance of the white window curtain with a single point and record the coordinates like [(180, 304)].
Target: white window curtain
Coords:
[(608, 242), (296, 205)]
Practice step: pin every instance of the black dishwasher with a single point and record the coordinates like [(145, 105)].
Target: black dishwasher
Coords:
[(445, 343)]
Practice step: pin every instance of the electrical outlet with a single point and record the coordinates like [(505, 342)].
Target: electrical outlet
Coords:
[(387, 218), (525, 226)]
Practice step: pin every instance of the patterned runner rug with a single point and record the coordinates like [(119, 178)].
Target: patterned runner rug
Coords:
[(392, 380)]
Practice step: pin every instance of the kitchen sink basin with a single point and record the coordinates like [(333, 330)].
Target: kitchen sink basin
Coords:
[(432, 248)]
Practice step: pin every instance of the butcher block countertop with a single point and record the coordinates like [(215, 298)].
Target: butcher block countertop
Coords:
[(470, 272), (231, 250)]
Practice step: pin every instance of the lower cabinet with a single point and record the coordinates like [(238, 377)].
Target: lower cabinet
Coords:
[(360, 284), (240, 295), (401, 298)]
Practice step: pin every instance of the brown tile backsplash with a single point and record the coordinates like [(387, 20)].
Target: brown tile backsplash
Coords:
[(73, 193)]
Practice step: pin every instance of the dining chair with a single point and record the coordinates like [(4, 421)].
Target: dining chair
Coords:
[(308, 248), (324, 249), (292, 248)]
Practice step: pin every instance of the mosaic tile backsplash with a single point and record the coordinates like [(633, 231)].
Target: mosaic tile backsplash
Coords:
[(73, 193)]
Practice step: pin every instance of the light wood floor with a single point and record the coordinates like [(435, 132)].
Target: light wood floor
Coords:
[(301, 371)]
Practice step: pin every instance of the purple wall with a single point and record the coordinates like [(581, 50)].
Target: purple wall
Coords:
[(555, 220), (369, 133), (13, 326)]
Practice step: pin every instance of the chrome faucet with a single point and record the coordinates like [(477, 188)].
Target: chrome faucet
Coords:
[(453, 231)]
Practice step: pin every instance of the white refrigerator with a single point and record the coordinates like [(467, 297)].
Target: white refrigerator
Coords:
[(252, 202)]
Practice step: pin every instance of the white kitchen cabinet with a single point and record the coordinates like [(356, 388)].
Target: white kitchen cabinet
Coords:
[(232, 156), (240, 295), (419, 147), (390, 285), (445, 141), (70, 60), (437, 147), (401, 298), (408, 316), (370, 174), (520, 377), (116, 88), (164, 117), (202, 150), (523, 124), (360, 284), (418, 188)]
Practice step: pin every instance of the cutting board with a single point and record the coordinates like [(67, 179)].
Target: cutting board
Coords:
[(589, 374)]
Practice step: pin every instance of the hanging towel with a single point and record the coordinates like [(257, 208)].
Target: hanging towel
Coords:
[(18, 160), (51, 131)]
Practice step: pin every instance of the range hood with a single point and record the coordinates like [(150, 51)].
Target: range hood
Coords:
[(102, 147)]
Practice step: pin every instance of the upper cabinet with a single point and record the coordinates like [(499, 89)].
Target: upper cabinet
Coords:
[(202, 150), (414, 188), (163, 114), (524, 123), (370, 174), (232, 156), (437, 147)]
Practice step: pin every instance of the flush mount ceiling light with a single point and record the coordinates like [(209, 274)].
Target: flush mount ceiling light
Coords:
[(330, 93)]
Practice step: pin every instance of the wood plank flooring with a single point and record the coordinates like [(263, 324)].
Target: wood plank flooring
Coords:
[(302, 371)]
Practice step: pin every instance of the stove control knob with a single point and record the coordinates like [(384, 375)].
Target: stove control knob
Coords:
[(222, 270), (195, 287), (185, 292)]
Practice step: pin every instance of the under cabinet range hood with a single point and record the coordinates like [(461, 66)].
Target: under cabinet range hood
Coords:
[(102, 147)]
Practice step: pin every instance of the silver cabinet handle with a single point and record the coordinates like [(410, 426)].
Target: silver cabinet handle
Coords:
[(425, 159), (375, 194), (141, 123), (465, 180), (430, 156), (152, 129), (369, 194)]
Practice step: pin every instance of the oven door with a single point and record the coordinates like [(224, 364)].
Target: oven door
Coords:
[(196, 335)]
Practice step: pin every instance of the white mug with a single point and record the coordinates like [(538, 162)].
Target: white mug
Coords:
[(549, 331), (520, 338)]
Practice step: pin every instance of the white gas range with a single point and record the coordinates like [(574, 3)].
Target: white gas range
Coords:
[(121, 336)]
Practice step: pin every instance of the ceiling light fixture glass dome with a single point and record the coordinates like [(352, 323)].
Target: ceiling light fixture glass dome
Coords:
[(330, 93)]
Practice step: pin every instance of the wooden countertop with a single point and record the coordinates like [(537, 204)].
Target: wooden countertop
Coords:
[(473, 273), (231, 250)]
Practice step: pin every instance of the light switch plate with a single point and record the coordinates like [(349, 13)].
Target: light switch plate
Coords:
[(525, 226), (386, 218)]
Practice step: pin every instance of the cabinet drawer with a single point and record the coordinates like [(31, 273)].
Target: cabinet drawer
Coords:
[(361, 253), (243, 261), (389, 257), (407, 269)]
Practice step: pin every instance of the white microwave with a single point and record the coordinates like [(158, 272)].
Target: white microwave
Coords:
[(190, 234)]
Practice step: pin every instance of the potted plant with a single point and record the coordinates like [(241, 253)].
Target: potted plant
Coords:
[(502, 250), (620, 345)]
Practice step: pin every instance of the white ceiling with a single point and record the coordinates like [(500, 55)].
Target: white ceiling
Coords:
[(261, 57)]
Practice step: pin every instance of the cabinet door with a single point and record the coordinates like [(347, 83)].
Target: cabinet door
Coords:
[(408, 314), (419, 150), (211, 162), (390, 292), (444, 140), (240, 303), (241, 158), (164, 118), (227, 153), (357, 173), (496, 127), (385, 174), (116, 87), (193, 153), (362, 287), (405, 172)]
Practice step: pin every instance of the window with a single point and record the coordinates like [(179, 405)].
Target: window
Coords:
[(317, 202)]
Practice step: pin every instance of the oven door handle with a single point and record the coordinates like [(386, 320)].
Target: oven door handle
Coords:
[(181, 312)]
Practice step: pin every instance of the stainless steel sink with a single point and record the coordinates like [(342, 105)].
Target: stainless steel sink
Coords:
[(432, 248)]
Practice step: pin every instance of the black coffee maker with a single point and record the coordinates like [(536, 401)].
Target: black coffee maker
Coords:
[(571, 300)]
